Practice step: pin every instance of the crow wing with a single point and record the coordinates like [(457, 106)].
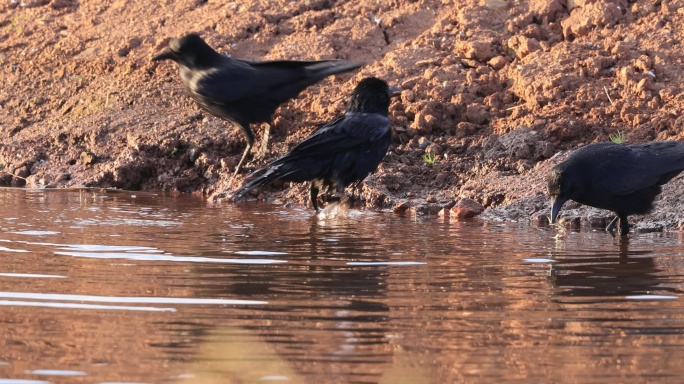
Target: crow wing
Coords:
[(627, 169), (235, 80), (347, 131)]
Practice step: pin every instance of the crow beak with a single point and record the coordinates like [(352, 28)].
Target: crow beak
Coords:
[(168, 54), (394, 91), (556, 205)]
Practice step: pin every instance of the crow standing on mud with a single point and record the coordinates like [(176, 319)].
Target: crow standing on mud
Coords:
[(623, 179), (242, 91), (343, 151)]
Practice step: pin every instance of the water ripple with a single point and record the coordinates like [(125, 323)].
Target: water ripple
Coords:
[(123, 299), (56, 372), (156, 257), (36, 233), (19, 303), (33, 275), (386, 263)]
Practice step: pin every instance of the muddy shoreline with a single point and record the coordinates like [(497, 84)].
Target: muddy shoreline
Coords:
[(497, 91)]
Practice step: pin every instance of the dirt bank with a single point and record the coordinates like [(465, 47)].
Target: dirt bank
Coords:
[(492, 88)]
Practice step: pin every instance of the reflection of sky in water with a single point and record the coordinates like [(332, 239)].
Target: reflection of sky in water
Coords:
[(123, 221)]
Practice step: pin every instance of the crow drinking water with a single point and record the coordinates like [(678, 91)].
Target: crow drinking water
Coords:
[(623, 179)]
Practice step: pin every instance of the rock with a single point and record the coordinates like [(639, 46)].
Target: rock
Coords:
[(194, 153), (87, 158), (419, 210), (423, 143), (519, 144), (476, 114), (572, 4), (498, 62), (523, 46), (549, 10), (22, 172), (479, 49), (464, 129), (584, 19), (401, 206), (434, 148), (648, 227), (466, 208), (407, 96), (540, 219)]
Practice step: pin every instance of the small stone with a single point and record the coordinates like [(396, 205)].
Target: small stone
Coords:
[(466, 208), (194, 153), (545, 149), (479, 50), (420, 210), (476, 114), (523, 46), (498, 62), (87, 158), (423, 143), (22, 172), (134, 42), (407, 96), (464, 129), (401, 206), (434, 148), (540, 219), (405, 160), (644, 85)]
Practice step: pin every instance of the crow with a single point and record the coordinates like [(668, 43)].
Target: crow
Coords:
[(243, 91), (620, 178), (343, 151)]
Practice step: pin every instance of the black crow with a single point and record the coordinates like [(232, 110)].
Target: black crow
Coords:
[(621, 178), (343, 151), (242, 91)]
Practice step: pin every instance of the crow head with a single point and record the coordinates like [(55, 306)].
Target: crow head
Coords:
[(372, 95), (562, 185), (190, 51)]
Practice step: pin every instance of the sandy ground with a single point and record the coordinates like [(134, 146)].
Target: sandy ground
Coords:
[(496, 90)]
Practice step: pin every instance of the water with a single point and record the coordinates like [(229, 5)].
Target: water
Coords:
[(138, 288)]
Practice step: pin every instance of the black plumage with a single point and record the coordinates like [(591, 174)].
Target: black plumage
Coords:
[(343, 151), (242, 91), (623, 179)]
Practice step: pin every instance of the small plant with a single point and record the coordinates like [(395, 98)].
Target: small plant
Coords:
[(429, 158), (617, 137)]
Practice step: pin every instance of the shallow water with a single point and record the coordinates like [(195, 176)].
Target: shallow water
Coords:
[(141, 288)]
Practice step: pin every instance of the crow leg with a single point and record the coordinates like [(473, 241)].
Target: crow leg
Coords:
[(249, 135), (314, 196), (239, 166), (264, 141), (623, 225), (611, 225)]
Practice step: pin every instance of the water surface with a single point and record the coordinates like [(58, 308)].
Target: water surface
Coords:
[(143, 288)]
